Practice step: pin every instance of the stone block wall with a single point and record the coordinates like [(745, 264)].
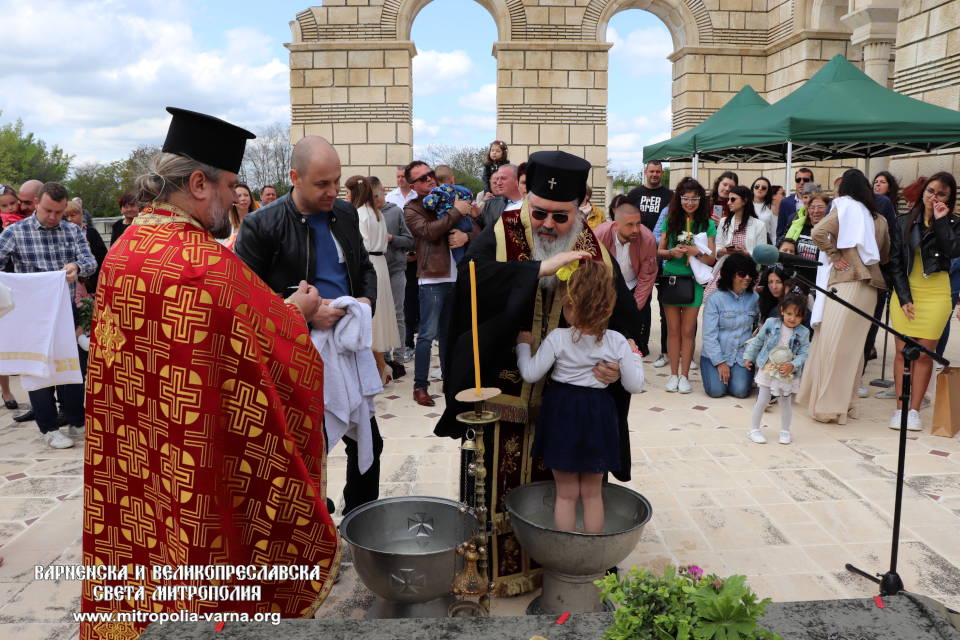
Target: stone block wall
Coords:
[(351, 66)]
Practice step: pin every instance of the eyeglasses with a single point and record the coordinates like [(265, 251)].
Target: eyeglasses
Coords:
[(799, 180), (540, 214), (425, 177), (690, 198), (760, 187), (939, 194)]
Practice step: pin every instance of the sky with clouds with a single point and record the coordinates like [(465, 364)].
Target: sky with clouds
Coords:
[(94, 76)]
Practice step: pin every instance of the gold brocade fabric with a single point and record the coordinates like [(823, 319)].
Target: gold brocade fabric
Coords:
[(205, 443)]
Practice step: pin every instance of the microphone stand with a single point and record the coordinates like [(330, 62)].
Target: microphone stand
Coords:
[(890, 582)]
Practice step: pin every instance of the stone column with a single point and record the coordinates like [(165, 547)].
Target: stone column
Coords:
[(553, 95), (357, 95)]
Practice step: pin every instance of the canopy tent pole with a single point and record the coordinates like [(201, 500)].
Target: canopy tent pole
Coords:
[(787, 179), (696, 161), (866, 170)]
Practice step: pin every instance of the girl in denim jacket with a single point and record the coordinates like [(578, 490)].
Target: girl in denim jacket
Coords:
[(779, 351)]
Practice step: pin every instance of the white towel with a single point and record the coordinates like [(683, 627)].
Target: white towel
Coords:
[(823, 278), (701, 272), (857, 229), (38, 340), (6, 300), (350, 377)]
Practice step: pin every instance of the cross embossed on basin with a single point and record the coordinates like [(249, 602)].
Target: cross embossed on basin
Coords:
[(421, 524)]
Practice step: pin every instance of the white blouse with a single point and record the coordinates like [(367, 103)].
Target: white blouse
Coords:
[(374, 231), (573, 362), (756, 234)]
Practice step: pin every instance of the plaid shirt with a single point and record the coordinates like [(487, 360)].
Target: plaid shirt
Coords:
[(35, 248)]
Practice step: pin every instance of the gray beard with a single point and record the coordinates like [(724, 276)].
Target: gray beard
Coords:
[(221, 228), (546, 248)]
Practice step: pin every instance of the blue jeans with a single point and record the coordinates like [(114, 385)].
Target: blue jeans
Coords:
[(434, 321), (740, 384)]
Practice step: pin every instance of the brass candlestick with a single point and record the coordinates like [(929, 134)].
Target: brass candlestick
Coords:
[(474, 579)]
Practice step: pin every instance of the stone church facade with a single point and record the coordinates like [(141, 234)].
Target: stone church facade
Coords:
[(351, 63)]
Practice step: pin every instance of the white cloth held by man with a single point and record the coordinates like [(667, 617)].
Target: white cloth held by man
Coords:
[(43, 347), (350, 377)]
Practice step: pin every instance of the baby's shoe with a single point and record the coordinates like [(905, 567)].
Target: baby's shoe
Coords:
[(756, 436), (785, 437)]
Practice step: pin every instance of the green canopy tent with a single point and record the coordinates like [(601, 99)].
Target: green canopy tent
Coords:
[(684, 146), (839, 113)]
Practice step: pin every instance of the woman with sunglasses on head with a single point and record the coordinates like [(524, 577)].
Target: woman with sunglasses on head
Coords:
[(687, 215), (856, 252), (763, 204), (931, 240)]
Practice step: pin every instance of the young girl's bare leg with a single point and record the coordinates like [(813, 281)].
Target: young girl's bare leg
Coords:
[(565, 506), (592, 495)]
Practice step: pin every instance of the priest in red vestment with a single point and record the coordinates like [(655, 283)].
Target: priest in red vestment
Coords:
[(204, 413)]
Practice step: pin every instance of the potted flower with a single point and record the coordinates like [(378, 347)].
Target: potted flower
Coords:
[(683, 604)]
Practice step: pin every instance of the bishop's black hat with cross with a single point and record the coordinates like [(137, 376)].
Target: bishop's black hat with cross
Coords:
[(557, 175)]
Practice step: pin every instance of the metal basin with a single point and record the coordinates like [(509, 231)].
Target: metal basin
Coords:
[(404, 548), (572, 561)]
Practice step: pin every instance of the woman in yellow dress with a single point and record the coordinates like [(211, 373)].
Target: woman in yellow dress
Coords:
[(931, 238)]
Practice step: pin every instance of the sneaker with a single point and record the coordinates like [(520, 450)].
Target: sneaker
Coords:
[(886, 394), (76, 432), (862, 392), (683, 385), (693, 365), (436, 373), (785, 437), (83, 341), (660, 362), (407, 355), (895, 420), (913, 421), (673, 383), (756, 436), (57, 440)]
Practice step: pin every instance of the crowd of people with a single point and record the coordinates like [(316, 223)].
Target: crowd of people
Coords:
[(375, 278)]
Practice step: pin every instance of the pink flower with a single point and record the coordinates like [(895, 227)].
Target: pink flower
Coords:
[(695, 571)]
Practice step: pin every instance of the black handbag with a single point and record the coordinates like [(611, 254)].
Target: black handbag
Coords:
[(675, 290)]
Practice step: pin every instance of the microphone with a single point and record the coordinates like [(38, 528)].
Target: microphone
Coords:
[(767, 254)]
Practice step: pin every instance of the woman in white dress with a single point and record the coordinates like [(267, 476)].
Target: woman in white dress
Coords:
[(373, 228)]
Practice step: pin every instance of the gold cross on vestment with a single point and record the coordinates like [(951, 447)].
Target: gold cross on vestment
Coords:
[(552, 183)]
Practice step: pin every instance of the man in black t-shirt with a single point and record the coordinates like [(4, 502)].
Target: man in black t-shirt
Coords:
[(652, 196)]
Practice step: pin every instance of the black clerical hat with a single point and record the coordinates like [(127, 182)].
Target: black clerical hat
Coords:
[(206, 139), (557, 175)]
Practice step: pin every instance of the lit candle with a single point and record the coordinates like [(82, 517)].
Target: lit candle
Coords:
[(473, 318)]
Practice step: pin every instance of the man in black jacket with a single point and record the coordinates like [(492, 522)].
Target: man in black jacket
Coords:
[(310, 235)]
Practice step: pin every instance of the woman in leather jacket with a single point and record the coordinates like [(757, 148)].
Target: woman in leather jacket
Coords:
[(931, 239)]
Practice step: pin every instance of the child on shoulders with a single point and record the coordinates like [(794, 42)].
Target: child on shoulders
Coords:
[(577, 434)]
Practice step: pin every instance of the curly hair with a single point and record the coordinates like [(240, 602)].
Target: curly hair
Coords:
[(591, 295), (676, 217)]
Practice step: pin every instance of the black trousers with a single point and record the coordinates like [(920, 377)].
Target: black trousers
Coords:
[(411, 305), (882, 298), (44, 405), (362, 487), (644, 333)]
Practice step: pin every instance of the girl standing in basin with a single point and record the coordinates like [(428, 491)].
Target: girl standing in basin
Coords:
[(577, 434)]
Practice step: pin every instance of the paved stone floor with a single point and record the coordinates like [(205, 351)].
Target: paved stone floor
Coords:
[(789, 517)]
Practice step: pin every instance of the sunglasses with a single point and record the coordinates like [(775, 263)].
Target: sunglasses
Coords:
[(760, 187), (744, 274), (425, 177), (559, 218), (799, 180)]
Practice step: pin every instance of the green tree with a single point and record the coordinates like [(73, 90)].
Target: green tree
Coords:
[(24, 157), (135, 165), (99, 186)]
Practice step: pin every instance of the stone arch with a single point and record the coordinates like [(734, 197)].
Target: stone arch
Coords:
[(687, 20), (825, 14), (402, 14)]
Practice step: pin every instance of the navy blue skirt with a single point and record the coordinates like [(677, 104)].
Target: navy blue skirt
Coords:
[(577, 431)]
